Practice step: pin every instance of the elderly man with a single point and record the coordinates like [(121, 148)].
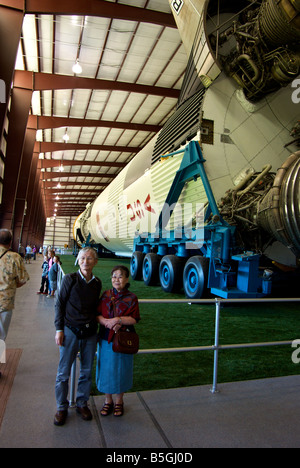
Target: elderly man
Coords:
[(76, 330), (13, 275)]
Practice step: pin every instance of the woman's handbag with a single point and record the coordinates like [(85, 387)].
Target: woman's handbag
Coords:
[(126, 342)]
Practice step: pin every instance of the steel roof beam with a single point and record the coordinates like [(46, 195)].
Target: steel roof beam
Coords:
[(53, 185), (60, 175), (71, 200), (48, 81), (56, 191), (42, 122), (92, 8), (46, 163), (52, 147)]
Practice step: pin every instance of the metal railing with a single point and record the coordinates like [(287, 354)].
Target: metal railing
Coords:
[(216, 347)]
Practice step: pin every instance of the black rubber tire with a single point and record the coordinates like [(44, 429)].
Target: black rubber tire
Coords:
[(151, 269), (195, 277), (136, 265), (170, 273)]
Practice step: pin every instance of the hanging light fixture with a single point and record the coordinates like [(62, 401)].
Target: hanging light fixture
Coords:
[(77, 68), (66, 137)]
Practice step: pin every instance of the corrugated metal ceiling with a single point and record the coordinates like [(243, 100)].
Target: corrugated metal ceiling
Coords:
[(135, 68)]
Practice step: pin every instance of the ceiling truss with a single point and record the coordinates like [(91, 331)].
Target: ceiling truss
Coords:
[(133, 63)]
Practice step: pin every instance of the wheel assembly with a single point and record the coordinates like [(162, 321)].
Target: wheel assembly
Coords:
[(151, 269), (136, 265), (195, 276), (170, 273)]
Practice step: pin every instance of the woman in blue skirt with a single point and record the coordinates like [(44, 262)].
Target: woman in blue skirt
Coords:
[(114, 374)]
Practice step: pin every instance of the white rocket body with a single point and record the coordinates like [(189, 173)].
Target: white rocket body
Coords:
[(246, 137)]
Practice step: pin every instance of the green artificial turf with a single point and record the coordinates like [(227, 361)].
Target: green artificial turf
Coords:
[(183, 325)]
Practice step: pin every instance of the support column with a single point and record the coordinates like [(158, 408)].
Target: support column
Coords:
[(20, 106), (11, 21), (32, 197), (22, 189), (40, 224), (35, 211)]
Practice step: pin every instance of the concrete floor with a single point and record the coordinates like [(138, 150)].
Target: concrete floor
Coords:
[(262, 413)]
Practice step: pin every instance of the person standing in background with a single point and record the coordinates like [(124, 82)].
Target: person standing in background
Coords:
[(34, 251), (28, 254), (13, 275), (51, 254), (45, 282), (52, 275), (22, 251)]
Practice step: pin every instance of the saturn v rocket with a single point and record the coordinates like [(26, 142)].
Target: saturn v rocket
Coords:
[(240, 99)]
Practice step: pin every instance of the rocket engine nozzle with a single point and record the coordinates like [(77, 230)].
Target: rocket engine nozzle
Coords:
[(259, 45), (279, 212), (279, 22), (267, 204)]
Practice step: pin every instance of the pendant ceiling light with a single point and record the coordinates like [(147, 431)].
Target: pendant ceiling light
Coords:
[(77, 69)]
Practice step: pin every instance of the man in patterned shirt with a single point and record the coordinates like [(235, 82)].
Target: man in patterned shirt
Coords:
[(13, 275)]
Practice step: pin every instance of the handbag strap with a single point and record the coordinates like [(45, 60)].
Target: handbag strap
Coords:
[(112, 300), (4, 253)]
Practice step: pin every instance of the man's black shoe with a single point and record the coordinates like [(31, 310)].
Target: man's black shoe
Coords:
[(84, 412), (60, 418)]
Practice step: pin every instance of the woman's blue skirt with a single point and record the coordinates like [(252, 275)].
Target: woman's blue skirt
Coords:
[(114, 371)]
